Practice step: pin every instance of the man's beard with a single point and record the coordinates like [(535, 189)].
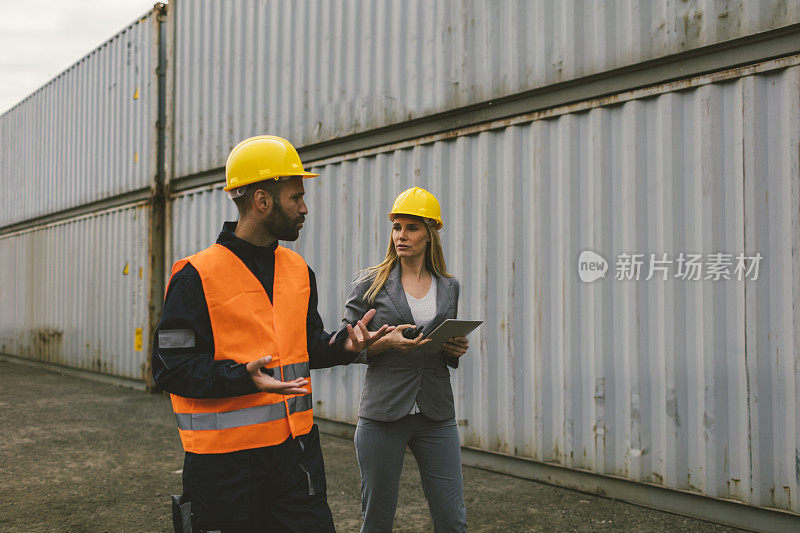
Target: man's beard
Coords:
[(281, 226)]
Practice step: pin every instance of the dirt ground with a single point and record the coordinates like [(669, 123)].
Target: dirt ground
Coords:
[(78, 455)]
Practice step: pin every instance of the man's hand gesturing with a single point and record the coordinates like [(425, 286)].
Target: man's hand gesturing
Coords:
[(266, 383), (359, 338)]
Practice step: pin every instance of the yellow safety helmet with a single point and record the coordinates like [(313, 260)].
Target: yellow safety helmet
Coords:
[(260, 158), (418, 202)]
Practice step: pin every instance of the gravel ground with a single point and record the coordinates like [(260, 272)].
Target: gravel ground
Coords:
[(78, 455)]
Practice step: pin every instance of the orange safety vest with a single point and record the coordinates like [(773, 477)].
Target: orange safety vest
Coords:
[(246, 326)]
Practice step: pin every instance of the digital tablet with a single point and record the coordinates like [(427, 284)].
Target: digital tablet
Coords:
[(452, 328)]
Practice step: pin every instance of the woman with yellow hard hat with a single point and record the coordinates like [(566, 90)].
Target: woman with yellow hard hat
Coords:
[(407, 399)]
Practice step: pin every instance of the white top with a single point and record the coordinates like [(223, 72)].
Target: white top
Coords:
[(423, 310)]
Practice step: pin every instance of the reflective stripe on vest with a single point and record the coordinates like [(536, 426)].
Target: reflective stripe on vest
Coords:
[(297, 370), (247, 326), (242, 417)]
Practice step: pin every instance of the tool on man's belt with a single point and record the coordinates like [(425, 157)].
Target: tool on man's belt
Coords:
[(181, 515)]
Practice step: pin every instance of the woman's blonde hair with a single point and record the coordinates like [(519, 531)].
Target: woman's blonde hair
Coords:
[(379, 274)]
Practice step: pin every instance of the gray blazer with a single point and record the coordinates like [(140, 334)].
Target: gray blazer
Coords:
[(395, 379)]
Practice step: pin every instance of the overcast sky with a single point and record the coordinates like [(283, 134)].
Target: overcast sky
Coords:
[(41, 38)]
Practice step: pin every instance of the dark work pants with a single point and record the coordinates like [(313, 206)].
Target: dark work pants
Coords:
[(276, 488), (380, 449)]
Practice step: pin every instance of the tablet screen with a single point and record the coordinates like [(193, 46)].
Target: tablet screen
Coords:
[(452, 328)]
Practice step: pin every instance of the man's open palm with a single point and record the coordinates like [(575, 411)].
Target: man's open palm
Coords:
[(266, 383)]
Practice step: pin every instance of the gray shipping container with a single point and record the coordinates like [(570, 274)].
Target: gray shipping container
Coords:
[(691, 385), (88, 134), (315, 70), (75, 293)]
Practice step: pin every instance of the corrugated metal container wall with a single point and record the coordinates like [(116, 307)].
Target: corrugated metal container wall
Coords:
[(314, 70), (88, 134), (197, 218), (687, 384), (75, 293)]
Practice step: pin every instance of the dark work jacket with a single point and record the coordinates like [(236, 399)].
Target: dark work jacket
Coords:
[(221, 485), (185, 365)]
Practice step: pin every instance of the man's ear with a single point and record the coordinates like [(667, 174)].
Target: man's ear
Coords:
[(262, 201)]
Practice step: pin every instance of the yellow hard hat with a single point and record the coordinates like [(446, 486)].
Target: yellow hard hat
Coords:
[(260, 158), (418, 202)]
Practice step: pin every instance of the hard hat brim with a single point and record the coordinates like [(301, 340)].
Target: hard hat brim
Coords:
[(304, 175), (438, 224)]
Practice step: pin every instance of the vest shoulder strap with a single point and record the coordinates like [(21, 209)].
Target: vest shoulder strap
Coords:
[(290, 257), (212, 256)]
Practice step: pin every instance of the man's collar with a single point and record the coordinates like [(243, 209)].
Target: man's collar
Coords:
[(227, 237)]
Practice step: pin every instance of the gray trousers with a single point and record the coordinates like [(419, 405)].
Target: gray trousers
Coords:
[(380, 449)]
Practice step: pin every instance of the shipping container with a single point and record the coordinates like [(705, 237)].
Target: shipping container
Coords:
[(687, 384), (75, 293), (87, 135), (198, 216), (315, 71)]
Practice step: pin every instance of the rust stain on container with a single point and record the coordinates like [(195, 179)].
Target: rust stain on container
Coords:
[(47, 343)]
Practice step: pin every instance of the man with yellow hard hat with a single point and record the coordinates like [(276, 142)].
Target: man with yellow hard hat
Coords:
[(238, 337)]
